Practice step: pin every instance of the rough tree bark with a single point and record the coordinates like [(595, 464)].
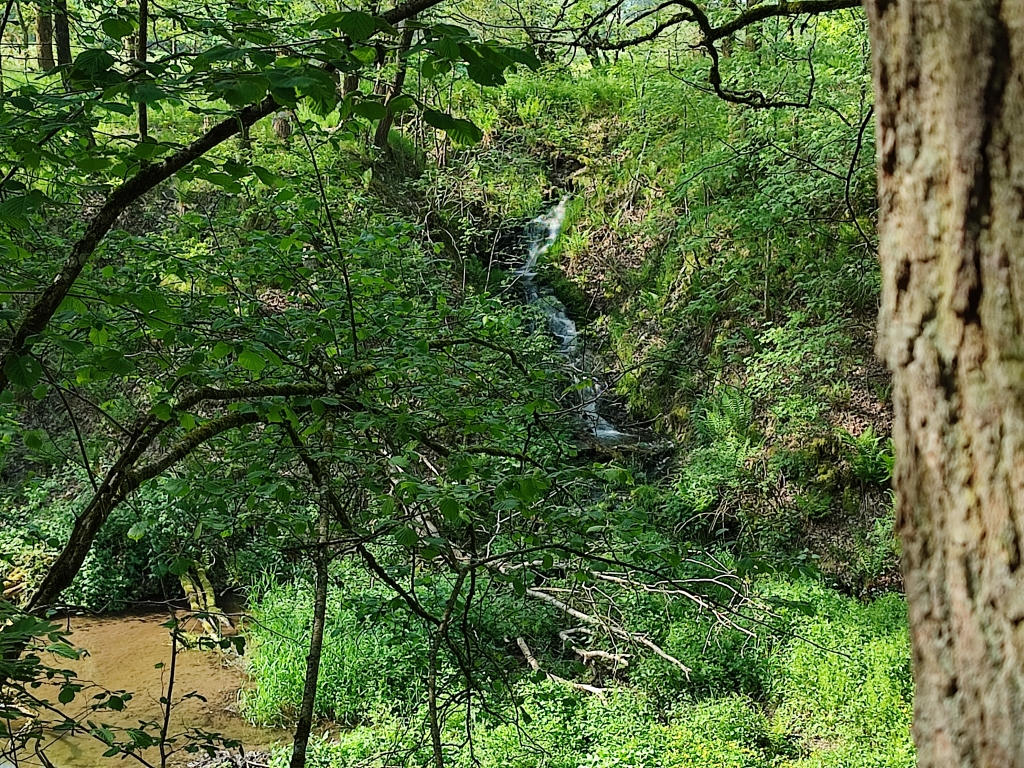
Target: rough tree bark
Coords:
[(949, 84), (62, 31), (44, 40)]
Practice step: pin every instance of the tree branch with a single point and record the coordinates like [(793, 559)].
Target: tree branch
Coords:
[(535, 666), (710, 34), (147, 178), (341, 514), (629, 637), (40, 314), (762, 12)]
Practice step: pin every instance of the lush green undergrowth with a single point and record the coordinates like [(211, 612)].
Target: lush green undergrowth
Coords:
[(722, 261), (832, 688)]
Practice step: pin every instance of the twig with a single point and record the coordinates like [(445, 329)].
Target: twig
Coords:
[(630, 637), (535, 666)]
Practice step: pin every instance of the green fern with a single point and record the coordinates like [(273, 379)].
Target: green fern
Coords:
[(871, 456), (727, 415)]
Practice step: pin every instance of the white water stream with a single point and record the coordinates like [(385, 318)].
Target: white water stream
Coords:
[(542, 233)]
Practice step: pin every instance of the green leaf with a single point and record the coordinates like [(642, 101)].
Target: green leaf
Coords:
[(64, 650), (262, 59), (401, 104), (357, 25), (367, 54), (90, 64), (371, 110), (33, 439), (224, 181), (118, 107), (14, 210), (242, 89), (67, 694), (117, 27), (269, 178), (236, 170), (219, 53), (406, 537), (525, 56), (485, 74), (23, 371), (92, 163), (449, 509), (147, 149), (447, 48), (252, 361), (115, 362), (328, 21), (138, 530), (147, 93), (461, 131), (221, 350)]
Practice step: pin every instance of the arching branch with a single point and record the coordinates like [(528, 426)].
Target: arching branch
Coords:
[(710, 35), (773, 10), (146, 179)]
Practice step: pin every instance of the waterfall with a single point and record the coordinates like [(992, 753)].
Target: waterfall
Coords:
[(541, 234)]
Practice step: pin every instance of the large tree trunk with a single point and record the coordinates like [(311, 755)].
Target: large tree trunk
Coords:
[(949, 83)]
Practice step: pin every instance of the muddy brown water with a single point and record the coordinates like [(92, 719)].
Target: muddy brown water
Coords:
[(125, 653)]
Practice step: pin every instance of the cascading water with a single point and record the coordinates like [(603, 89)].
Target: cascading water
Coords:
[(542, 233)]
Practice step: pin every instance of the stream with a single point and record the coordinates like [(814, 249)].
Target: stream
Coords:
[(541, 234), (125, 654)]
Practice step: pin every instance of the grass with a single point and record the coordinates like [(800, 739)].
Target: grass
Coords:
[(831, 688)]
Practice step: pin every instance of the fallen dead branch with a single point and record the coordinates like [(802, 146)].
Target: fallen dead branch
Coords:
[(535, 666)]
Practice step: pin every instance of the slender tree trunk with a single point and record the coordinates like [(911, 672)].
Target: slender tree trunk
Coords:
[(44, 40), (750, 40), (5, 16), (349, 84), (380, 138), (316, 643), (141, 51), (62, 31), (949, 84), (25, 39)]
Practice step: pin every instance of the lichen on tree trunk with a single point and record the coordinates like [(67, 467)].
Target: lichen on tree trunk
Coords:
[(203, 600), (949, 84)]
